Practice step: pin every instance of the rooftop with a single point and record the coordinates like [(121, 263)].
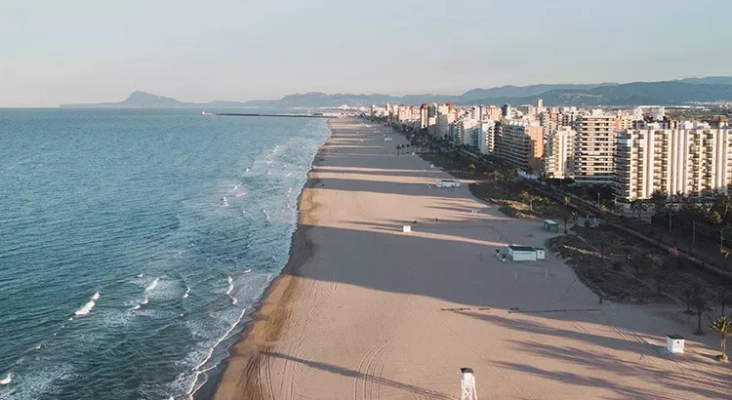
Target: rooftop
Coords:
[(521, 248)]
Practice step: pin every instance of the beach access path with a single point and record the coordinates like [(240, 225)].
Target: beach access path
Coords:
[(366, 311)]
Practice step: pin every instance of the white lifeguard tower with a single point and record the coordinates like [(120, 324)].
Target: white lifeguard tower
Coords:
[(467, 385)]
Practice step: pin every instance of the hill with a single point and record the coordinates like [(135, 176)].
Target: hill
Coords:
[(683, 91)]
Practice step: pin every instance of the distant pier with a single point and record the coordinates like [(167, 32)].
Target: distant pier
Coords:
[(316, 115)]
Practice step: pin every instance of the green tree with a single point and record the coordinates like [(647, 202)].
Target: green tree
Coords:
[(471, 167), (640, 263), (688, 293), (661, 273), (524, 196), (714, 217), (639, 207), (659, 198), (724, 326), (723, 296), (700, 305)]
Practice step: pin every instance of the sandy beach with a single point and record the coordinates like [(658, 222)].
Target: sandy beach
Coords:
[(366, 311)]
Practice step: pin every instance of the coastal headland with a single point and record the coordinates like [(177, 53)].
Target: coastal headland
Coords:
[(365, 310)]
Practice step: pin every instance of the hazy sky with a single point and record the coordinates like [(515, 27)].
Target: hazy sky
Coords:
[(71, 51)]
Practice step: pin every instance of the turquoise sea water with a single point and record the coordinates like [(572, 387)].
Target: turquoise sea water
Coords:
[(133, 243)]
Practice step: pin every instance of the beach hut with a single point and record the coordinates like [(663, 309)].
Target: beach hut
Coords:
[(522, 253), (675, 344), (551, 225)]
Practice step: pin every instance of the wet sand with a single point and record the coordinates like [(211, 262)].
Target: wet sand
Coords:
[(364, 310)]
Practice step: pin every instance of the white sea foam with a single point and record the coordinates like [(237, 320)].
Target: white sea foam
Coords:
[(288, 174), (237, 186), (231, 285), (140, 275), (152, 285), (144, 301), (246, 271), (86, 309), (188, 291), (195, 385), (247, 169), (6, 381)]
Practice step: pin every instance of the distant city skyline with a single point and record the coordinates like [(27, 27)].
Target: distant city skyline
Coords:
[(85, 51)]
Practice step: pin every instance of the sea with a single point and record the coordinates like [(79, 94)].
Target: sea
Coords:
[(134, 244)]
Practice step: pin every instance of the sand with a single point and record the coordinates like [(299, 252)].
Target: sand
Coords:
[(365, 311)]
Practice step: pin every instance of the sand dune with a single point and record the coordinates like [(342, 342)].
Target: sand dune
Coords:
[(366, 311)]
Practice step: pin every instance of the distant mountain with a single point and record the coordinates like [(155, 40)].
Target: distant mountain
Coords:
[(136, 100), (521, 91), (630, 94), (681, 91), (709, 80), (147, 100)]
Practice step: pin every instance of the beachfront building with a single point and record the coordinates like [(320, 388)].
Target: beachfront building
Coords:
[(559, 153), (594, 148), (506, 111), (549, 121), (494, 113), (424, 118), (521, 145), (443, 124), (487, 136), (466, 132), (692, 159)]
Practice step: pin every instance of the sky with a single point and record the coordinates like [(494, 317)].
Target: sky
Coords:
[(85, 51)]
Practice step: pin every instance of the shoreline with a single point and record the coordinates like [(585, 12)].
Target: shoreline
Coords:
[(364, 309), (273, 308)]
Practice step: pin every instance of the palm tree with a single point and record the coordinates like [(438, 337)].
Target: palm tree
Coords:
[(659, 198), (471, 167), (524, 196), (398, 149), (639, 206), (724, 326), (567, 201)]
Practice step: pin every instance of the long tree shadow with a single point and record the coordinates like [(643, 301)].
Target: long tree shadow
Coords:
[(334, 369)]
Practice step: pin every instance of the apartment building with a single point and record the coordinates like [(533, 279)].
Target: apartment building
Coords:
[(559, 153), (594, 148), (521, 145), (693, 159), (465, 131), (487, 136)]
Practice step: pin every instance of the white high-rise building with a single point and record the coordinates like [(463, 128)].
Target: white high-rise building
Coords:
[(559, 153), (594, 148), (487, 136), (465, 126), (692, 159), (657, 113)]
